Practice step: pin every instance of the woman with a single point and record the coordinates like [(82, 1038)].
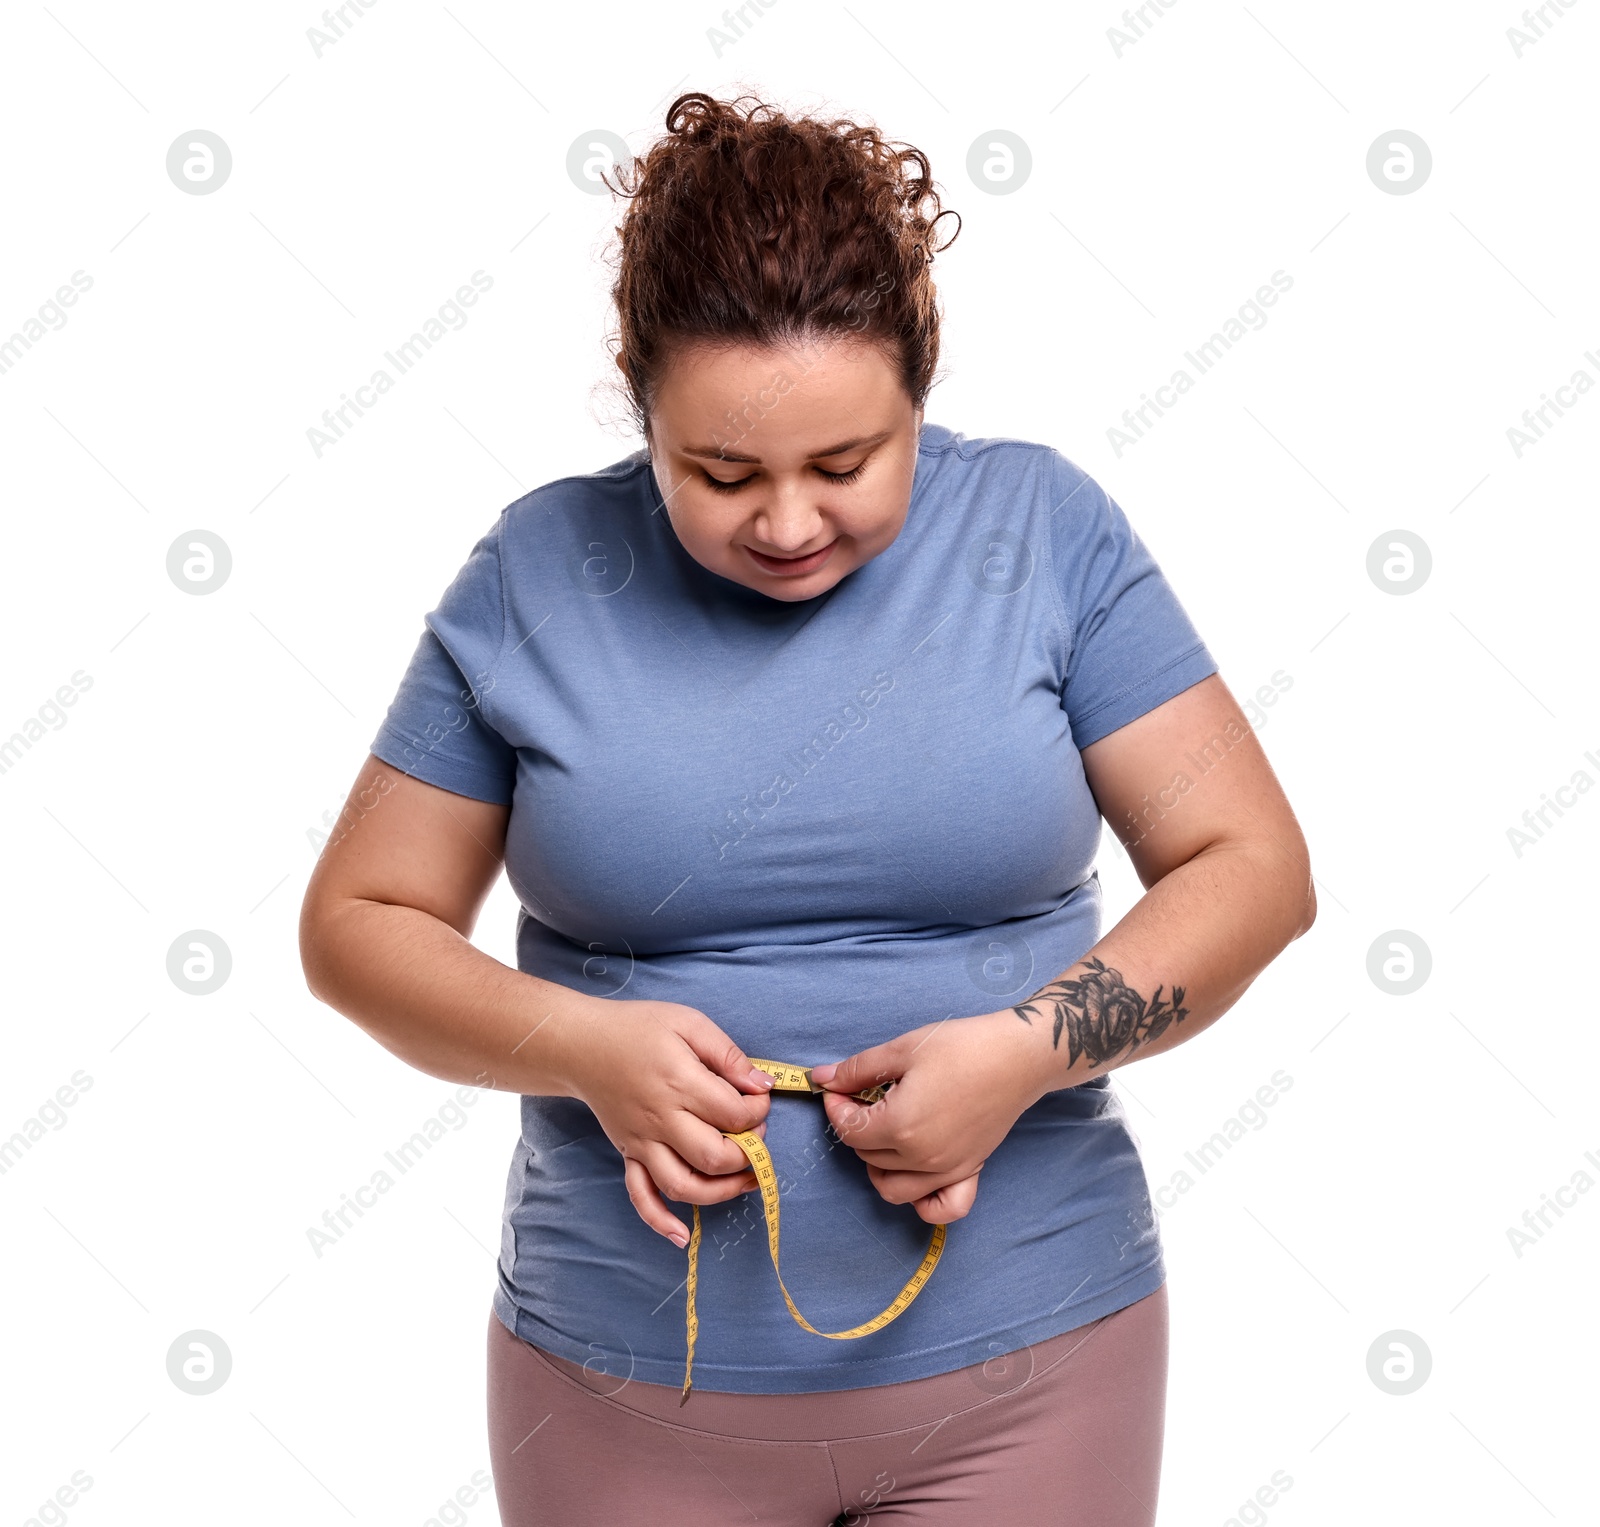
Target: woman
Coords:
[(793, 732)]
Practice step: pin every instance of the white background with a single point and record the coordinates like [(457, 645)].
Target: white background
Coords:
[(1170, 177)]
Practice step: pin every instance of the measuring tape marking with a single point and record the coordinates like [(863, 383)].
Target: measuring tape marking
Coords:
[(791, 1078)]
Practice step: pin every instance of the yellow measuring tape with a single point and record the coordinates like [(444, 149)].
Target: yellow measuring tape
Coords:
[(787, 1078)]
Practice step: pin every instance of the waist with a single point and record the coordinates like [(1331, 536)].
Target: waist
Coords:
[(813, 1002), (1062, 1226)]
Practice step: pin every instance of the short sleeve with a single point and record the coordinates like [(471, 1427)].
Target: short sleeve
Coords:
[(1131, 645), (438, 728)]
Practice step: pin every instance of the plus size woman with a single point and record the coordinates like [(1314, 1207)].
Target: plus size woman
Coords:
[(793, 732)]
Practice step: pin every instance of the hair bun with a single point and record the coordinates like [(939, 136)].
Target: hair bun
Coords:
[(745, 224)]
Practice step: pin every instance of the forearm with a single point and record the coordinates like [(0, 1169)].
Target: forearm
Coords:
[(1183, 955), (442, 1005)]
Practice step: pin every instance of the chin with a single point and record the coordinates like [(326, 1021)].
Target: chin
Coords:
[(793, 590)]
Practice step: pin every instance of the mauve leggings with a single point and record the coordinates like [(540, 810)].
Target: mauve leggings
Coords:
[(1066, 1432)]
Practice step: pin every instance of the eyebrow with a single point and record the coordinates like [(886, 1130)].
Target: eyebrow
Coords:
[(715, 454)]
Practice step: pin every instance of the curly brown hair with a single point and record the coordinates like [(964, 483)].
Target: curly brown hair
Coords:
[(747, 225)]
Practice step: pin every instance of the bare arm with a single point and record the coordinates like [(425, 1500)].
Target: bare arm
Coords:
[(1193, 799), (385, 930), (384, 938), (1228, 885)]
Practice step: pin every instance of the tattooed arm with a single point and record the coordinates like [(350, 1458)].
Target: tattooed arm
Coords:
[(1194, 801), (1227, 886), (1103, 1017)]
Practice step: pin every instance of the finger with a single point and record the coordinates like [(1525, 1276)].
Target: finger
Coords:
[(949, 1203), (703, 1148), (672, 1176), (645, 1198), (726, 1110), (889, 1160), (868, 1068), (864, 1126), (934, 1191), (713, 1099), (720, 1055)]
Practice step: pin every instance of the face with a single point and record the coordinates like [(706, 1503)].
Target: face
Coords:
[(784, 469)]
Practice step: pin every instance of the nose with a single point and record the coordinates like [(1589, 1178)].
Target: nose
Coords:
[(788, 522)]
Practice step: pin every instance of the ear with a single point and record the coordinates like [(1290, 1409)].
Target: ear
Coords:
[(622, 363)]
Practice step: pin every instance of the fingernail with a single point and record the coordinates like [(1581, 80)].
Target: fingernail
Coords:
[(679, 1239), (760, 1077), (824, 1074)]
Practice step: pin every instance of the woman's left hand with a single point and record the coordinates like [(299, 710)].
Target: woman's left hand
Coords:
[(959, 1087)]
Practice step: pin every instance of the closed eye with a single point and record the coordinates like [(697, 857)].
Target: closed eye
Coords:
[(720, 485), (849, 476)]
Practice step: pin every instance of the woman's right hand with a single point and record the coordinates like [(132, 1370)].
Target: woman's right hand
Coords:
[(665, 1082)]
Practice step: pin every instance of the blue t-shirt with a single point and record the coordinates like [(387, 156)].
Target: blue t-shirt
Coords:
[(821, 823)]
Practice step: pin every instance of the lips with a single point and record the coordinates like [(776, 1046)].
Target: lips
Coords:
[(791, 567)]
